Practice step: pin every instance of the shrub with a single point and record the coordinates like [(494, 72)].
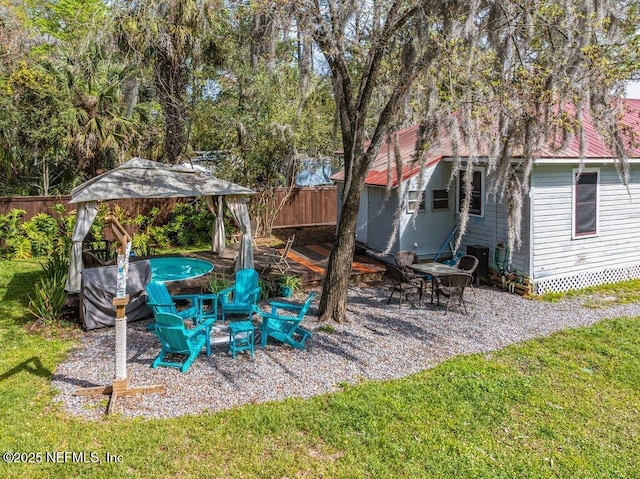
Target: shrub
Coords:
[(42, 232), (19, 247), (290, 281), (190, 224), (10, 234), (269, 286), (47, 302), (218, 282)]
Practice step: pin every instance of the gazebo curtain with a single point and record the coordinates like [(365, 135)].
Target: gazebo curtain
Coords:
[(237, 204), (217, 234), (238, 207), (87, 212)]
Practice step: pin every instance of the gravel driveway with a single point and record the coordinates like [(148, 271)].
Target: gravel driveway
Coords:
[(380, 342)]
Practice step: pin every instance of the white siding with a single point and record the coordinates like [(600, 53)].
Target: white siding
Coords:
[(431, 228), (491, 228), (381, 210), (617, 244), (361, 223)]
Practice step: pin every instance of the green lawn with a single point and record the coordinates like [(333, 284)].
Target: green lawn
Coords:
[(602, 295), (564, 406)]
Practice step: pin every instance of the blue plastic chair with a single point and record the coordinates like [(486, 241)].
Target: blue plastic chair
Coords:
[(176, 339), (243, 296), (160, 301), (285, 329)]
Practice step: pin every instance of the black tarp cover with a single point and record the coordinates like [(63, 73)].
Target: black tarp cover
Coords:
[(99, 288)]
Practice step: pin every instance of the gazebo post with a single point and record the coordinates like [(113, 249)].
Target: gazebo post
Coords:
[(121, 383)]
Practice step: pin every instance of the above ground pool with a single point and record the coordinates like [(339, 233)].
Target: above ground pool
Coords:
[(176, 268)]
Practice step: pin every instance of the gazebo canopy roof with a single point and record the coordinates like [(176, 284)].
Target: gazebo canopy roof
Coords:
[(140, 178)]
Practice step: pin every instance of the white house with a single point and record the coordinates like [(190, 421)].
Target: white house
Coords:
[(577, 230)]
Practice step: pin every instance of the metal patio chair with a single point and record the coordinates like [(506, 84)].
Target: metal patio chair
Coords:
[(452, 286), (468, 264), (403, 283), (279, 260)]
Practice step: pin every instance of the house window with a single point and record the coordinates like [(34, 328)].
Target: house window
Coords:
[(585, 203), (415, 202), (477, 192), (439, 200)]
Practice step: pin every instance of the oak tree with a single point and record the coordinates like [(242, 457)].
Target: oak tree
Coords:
[(496, 74)]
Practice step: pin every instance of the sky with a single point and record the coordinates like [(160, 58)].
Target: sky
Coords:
[(633, 90)]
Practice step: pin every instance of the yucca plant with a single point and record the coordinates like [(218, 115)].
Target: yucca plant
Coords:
[(47, 303)]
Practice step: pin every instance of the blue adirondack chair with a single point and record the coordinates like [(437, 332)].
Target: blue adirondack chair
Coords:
[(243, 296), (160, 301), (285, 329), (176, 339)]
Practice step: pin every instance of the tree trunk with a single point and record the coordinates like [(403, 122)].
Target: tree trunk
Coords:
[(305, 58), (175, 137), (171, 81), (130, 88), (263, 42), (333, 303)]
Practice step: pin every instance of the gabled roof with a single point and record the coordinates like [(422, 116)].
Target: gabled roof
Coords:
[(140, 178), (384, 164)]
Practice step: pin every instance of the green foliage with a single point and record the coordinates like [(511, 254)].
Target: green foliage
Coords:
[(599, 296), (290, 281), (42, 107), (40, 236), (269, 286), (150, 234), (20, 247), (49, 296), (11, 242), (264, 151), (219, 281), (66, 20), (42, 232), (189, 224), (564, 406), (327, 328)]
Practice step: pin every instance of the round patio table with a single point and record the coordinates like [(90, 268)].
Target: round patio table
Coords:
[(176, 268)]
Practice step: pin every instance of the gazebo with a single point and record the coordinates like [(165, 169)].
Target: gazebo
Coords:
[(140, 178)]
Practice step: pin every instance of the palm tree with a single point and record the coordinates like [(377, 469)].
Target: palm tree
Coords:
[(174, 36), (101, 133)]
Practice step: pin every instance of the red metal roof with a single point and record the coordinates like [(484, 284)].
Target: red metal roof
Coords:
[(383, 166)]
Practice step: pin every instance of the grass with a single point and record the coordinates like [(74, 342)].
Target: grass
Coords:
[(600, 296), (565, 406)]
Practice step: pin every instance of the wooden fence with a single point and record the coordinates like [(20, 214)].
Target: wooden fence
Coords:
[(307, 206)]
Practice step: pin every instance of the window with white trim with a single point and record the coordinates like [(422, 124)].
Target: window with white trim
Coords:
[(440, 199), (476, 207), (585, 202), (415, 202)]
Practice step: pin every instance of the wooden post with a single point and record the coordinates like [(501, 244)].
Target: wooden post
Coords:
[(122, 299), (122, 378)]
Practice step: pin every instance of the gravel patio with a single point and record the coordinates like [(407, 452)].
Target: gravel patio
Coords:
[(380, 342)]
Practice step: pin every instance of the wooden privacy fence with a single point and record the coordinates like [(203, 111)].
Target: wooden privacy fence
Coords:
[(307, 206)]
